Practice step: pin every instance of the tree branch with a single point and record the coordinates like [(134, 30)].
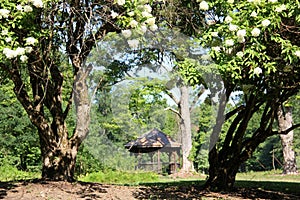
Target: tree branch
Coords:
[(286, 131), (174, 111)]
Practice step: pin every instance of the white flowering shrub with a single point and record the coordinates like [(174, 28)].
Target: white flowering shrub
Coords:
[(253, 38), (14, 17)]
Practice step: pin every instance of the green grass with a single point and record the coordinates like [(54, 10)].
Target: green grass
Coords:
[(274, 176), (120, 177), (11, 173), (270, 180)]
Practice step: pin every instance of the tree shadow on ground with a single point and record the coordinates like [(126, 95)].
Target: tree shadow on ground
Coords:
[(40, 189), (5, 187), (194, 190)]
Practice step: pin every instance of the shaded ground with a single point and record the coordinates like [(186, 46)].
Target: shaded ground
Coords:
[(39, 190)]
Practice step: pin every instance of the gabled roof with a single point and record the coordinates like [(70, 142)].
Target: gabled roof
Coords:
[(151, 141)]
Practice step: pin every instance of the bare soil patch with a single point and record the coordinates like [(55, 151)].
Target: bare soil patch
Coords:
[(41, 190)]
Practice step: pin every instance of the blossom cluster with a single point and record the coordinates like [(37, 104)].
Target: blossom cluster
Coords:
[(20, 51), (11, 48), (251, 29), (139, 18)]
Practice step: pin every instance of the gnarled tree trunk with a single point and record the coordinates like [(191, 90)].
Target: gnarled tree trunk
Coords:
[(225, 158), (285, 121), (58, 158), (58, 150)]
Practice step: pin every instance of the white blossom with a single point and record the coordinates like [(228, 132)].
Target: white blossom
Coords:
[(214, 34), (31, 41), (28, 8), (23, 58), (272, 1), (147, 8), (4, 13), (253, 14), (114, 14), (143, 28), (28, 49), (126, 33), (8, 39), (37, 3), (133, 44), (130, 14), (257, 70), (9, 53), (255, 32), (228, 19), (233, 27), (4, 32), (120, 2), (20, 51), (19, 7), (230, 1), (240, 54), (153, 27), (241, 33), (203, 5), (151, 21), (218, 49), (280, 8), (133, 23), (241, 39), (229, 42), (297, 53), (265, 23), (146, 14)]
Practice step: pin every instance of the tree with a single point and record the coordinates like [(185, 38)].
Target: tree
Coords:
[(285, 121), (35, 35), (256, 49)]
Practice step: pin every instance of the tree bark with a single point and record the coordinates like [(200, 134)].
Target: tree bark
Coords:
[(186, 130), (285, 121), (221, 173), (58, 158)]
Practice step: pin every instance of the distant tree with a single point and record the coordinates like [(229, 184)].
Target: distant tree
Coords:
[(285, 121)]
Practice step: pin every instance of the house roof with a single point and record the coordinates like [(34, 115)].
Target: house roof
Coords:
[(152, 141)]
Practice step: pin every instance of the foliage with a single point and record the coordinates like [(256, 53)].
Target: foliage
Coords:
[(121, 177), (146, 99), (19, 145)]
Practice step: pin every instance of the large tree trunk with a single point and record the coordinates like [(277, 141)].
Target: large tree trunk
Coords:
[(58, 150), (222, 173), (185, 128), (285, 121), (59, 158)]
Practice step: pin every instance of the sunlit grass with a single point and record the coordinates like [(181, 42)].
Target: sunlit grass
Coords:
[(120, 177), (268, 176), (11, 173)]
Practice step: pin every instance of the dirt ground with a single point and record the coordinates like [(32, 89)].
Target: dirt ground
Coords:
[(41, 190)]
